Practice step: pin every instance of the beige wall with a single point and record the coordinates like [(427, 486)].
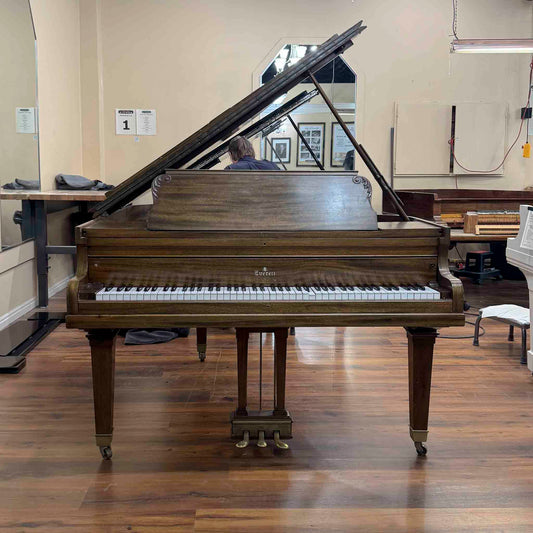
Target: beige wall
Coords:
[(191, 60), (57, 25)]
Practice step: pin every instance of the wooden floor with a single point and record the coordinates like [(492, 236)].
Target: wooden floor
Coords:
[(351, 466)]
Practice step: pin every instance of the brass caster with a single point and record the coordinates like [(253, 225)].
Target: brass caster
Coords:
[(245, 440), (279, 443), (106, 452), (201, 356), (420, 449), (261, 442)]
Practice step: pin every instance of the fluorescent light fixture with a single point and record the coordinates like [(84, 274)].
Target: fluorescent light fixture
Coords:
[(492, 46)]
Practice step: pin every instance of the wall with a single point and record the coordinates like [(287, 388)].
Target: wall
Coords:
[(57, 25), (192, 59)]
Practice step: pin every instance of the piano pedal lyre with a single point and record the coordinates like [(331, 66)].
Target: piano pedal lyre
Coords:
[(263, 424)]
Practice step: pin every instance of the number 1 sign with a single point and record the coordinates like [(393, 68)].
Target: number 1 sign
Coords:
[(125, 122)]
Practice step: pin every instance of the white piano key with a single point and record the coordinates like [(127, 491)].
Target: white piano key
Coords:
[(100, 294)]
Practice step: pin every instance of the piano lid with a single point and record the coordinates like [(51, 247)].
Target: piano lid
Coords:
[(227, 122)]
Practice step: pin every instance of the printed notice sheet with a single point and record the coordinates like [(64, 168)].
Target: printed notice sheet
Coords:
[(146, 121), (25, 120), (527, 237)]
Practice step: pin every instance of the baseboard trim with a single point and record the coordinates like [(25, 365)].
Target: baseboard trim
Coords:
[(30, 305)]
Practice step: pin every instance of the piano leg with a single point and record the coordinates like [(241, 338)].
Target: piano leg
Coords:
[(102, 342), (421, 342), (201, 342)]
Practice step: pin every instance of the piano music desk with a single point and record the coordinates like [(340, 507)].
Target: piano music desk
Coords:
[(35, 206)]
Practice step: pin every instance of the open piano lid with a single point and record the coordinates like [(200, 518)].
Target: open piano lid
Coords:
[(227, 123)]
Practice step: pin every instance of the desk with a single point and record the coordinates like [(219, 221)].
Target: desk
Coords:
[(35, 206)]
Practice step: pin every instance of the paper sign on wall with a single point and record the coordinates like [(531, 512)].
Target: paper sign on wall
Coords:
[(527, 237), (146, 121), (125, 123), (25, 119)]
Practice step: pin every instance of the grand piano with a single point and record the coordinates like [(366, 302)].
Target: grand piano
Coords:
[(259, 251)]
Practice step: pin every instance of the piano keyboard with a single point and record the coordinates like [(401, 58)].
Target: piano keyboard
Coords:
[(268, 293)]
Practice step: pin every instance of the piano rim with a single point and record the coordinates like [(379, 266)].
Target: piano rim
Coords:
[(124, 321)]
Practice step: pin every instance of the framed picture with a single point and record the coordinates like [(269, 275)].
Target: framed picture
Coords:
[(340, 144), (282, 146), (313, 133)]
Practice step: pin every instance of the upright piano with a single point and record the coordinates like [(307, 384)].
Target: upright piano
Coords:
[(449, 206), (259, 251), (519, 253)]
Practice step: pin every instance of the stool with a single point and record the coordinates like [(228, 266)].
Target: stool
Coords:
[(476, 267), (514, 315)]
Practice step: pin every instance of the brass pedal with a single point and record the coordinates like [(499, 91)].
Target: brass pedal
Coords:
[(279, 443), (245, 440), (261, 442)]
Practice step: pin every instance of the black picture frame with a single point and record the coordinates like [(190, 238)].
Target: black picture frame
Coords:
[(278, 142), (319, 126), (332, 162)]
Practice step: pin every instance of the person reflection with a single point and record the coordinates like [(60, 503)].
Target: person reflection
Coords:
[(242, 155)]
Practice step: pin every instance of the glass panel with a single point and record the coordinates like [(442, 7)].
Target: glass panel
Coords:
[(19, 139), (315, 121)]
